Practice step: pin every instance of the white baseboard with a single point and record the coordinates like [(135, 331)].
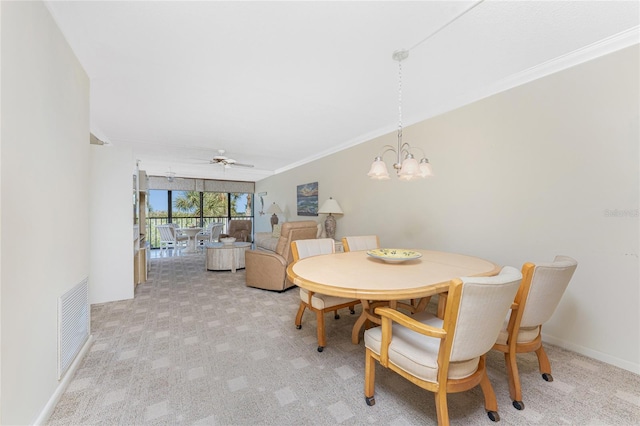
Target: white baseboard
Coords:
[(62, 385), (624, 364)]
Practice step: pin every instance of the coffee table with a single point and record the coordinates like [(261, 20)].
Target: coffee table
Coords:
[(225, 257)]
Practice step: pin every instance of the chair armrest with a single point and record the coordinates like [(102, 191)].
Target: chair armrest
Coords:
[(266, 270), (388, 316), (410, 323)]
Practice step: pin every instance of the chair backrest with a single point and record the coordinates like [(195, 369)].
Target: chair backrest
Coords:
[(301, 249), (209, 226), (216, 230), (542, 293), (293, 231), (480, 313), (167, 233), (360, 242)]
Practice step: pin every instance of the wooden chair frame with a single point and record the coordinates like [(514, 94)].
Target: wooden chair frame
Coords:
[(320, 329), (512, 348), (345, 242), (444, 385)]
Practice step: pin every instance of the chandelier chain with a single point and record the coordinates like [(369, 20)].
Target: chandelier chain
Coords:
[(399, 103)]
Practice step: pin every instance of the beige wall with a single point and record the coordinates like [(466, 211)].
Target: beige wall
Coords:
[(45, 192), (521, 176)]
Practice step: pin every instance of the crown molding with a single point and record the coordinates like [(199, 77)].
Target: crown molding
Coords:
[(595, 50)]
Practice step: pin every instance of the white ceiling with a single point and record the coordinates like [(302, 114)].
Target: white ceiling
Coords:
[(277, 84)]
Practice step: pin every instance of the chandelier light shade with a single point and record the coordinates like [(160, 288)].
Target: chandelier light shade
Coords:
[(406, 165), (330, 207), (274, 210)]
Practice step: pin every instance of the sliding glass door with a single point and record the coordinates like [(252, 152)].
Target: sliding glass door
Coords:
[(194, 208)]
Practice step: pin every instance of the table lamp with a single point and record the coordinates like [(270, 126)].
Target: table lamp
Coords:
[(274, 209), (330, 207)]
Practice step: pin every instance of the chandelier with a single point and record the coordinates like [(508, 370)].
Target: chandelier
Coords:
[(406, 165)]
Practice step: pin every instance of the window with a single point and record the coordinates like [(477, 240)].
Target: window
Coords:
[(194, 208)]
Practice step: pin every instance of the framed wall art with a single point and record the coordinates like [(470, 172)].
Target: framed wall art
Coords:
[(307, 199)]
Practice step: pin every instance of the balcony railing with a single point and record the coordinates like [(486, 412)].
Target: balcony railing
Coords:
[(153, 236)]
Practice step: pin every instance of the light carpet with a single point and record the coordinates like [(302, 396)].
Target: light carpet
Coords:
[(196, 347)]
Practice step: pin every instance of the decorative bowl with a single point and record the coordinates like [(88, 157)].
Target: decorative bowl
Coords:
[(392, 255), (227, 240)]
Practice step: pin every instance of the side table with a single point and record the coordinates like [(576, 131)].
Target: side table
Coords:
[(225, 257)]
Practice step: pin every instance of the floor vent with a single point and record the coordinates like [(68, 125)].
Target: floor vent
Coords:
[(74, 319)]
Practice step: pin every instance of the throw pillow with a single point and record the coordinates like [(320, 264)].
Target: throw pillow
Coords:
[(276, 231)]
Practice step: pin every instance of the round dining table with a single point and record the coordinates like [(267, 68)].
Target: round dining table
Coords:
[(191, 232), (356, 275)]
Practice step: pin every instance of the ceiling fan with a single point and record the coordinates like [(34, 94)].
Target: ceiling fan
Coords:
[(226, 161)]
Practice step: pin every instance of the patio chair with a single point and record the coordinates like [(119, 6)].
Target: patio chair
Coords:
[(169, 237), (211, 234)]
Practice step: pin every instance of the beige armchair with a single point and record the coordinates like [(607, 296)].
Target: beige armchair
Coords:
[(239, 229), (268, 270)]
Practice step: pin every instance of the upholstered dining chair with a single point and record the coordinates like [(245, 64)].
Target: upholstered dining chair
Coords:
[(444, 355), (360, 242), (540, 292), (169, 237), (316, 302), (370, 242)]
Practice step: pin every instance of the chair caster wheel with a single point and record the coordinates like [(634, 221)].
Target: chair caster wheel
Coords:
[(494, 416), (298, 327), (547, 377), (352, 311), (336, 316), (371, 401), (320, 348), (519, 405)]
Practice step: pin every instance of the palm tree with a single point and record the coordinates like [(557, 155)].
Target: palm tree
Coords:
[(215, 203), (188, 202)]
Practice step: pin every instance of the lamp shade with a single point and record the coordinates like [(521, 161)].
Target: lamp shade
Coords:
[(378, 170), (425, 168), (274, 209), (410, 168), (330, 206)]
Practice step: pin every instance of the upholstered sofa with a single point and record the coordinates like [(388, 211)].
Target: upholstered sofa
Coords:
[(266, 266)]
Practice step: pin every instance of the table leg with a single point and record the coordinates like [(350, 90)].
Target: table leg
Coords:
[(355, 333)]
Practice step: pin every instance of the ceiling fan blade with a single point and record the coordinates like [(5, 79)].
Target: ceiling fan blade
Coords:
[(242, 165)]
